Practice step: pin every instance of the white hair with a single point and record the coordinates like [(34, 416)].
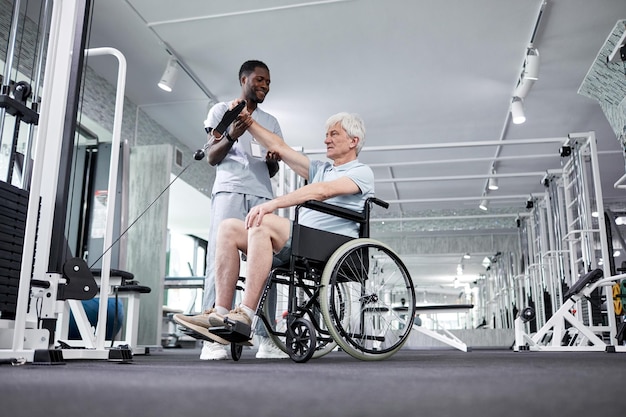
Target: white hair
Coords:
[(352, 124)]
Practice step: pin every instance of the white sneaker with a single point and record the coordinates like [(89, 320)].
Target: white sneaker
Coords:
[(213, 352), (268, 350)]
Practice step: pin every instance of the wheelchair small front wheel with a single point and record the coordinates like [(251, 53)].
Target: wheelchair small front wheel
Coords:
[(276, 313), (235, 351), (301, 340)]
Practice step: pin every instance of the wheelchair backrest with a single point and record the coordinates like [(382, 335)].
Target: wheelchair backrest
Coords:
[(361, 218), (318, 245)]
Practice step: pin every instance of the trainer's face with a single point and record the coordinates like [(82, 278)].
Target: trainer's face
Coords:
[(257, 85)]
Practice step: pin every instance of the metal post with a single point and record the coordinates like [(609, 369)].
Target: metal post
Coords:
[(597, 185), (47, 156), (112, 188), (44, 21), (8, 65), (58, 240)]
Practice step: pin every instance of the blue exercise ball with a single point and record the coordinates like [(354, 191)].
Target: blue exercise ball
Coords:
[(115, 317)]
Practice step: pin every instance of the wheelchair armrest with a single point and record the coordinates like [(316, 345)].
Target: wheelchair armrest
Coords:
[(345, 213), (334, 210), (378, 202)]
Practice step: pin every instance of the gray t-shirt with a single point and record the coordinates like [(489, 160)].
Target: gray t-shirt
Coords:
[(243, 170), (363, 177)]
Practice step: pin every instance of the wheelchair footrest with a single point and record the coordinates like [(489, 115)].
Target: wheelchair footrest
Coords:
[(233, 331)]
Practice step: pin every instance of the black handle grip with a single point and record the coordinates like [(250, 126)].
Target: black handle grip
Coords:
[(379, 202), (229, 117)]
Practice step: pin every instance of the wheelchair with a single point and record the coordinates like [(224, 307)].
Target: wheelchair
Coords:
[(336, 292)]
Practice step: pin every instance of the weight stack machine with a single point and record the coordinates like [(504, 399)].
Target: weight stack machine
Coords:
[(13, 208), (567, 239), (19, 102), (39, 279)]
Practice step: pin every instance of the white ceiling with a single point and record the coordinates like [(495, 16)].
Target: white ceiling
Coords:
[(419, 72)]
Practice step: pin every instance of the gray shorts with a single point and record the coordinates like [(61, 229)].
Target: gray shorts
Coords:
[(282, 256)]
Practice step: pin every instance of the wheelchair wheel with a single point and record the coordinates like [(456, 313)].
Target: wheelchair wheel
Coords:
[(235, 351), (376, 294), (278, 316), (300, 340)]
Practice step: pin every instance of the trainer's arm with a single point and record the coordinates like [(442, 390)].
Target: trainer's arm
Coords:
[(221, 145), (217, 149)]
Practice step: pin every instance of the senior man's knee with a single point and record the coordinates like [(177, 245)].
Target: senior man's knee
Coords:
[(260, 231), (231, 226)]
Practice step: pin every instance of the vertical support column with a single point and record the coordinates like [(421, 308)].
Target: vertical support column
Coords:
[(58, 242), (554, 252), (44, 23), (149, 174), (8, 66), (57, 83), (597, 186), (542, 206)]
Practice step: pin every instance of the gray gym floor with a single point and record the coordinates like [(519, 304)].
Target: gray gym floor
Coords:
[(174, 382)]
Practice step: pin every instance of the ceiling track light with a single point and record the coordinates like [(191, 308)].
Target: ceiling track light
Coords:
[(531, 65), (492, 184), (530, 74), (168, 79), (523, 88), (517, 111), (484, 204)]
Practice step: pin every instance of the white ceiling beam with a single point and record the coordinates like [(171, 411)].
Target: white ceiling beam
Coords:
[(465, 177), (453, 217), (461, 160), (444, 199), (242, 12), (447, 145)]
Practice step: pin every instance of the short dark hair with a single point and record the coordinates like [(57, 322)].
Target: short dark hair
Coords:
[(249, 66)]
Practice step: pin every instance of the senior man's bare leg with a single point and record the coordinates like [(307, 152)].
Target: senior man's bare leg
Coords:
[(263, 241), (259, 243)]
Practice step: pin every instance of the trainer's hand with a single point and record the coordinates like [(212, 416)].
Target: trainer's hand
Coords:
[(239, 126), (244, 117), (272, 156), (272, 159)]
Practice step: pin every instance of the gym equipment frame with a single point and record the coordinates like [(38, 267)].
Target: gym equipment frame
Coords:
[(565, 244), (56, 293), (564, 331)]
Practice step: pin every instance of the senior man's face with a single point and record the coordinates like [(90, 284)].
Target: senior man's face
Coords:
[(337, 142)]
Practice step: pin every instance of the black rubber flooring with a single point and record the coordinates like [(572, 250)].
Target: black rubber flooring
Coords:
[(174, 382)]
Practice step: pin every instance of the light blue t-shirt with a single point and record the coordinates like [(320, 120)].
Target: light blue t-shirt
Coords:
[(243, 170), (362, 176)]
